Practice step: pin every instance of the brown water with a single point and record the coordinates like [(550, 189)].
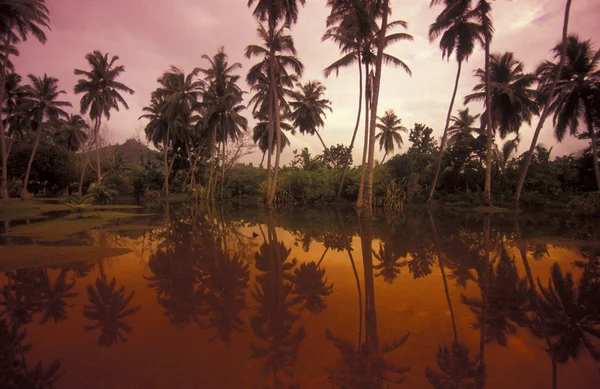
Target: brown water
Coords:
[(312, 299)]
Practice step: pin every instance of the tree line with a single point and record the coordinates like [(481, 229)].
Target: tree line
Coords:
[(192, 118)]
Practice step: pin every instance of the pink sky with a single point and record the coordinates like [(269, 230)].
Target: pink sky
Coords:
[(151, 35)]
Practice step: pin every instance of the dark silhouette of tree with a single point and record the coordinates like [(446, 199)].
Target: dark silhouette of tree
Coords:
[(53, 297), (390, 264), (108, 309), (310, 287), (14, 372), (457, 370)]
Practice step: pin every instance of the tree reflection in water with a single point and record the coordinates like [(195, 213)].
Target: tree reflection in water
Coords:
[(390, 264), (457, 370), (276, 319), (108, 308), (366, 366)]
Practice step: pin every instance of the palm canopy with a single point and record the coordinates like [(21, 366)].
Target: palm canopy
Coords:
[(156, 128), (576, 88), (19, 18), (390, 126), (178, 91), (261, 91), (309, 107), (41, 99), (99, 85), (260, 136), (274, 11), (513, 99), (463, 125), (72, 133), (458, 27)]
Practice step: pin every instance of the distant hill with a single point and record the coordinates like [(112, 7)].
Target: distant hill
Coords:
[(132, 152)]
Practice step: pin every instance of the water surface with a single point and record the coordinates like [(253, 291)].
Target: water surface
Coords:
[(311, 298)]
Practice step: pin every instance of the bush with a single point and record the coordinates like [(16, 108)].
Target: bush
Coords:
[(309, 187), (587, 204), (244, 181)]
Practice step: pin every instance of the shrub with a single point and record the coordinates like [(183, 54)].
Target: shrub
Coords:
[(587, 204)]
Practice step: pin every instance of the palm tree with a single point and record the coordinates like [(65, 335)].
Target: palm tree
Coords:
[(273, 12), (546, 106), (459, 32), (512, 102), (310, 286), (177, 94), (41, 102), (309, 108), (53, 297), (223, 99), (15, 120), (503, 156), (278, 55), (462, 126), (18, 19), (576, 91), (457, 369), (72, 132), (380, 41), (101, 93), (390, 264), (260, 136), (390, 126)]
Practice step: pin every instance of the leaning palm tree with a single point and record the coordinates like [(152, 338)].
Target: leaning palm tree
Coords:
[(462, 126), (72, 132), (18, 19), (546, 106), (101, 93), (576, 92), (279, 61), (513, 100), (41, 102), (309, 108), (459, 30), (179, 93), (390, 126)]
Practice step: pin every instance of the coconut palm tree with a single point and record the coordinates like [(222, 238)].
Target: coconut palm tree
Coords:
[(278, 54), (101, 93), (504, 155), (390, 264), (546, 106), (260, 136), (390, 126), (513, 100), (178, 93), (18, 19), (273, 12), (41, 102), (459, 30), (15, 120), (576, 91), (311, 287), (53, 296), (309, 108), (72, 132), (462, 126)]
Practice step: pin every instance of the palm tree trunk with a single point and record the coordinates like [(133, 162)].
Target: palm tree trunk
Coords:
[(97, 134), (445, 281), (595, 155), (4, 182), (272, 107), (346, 162), (487, 194), (361, 187), (546, 109), (321, 139), (212, 164), (371, 334), (83, 170), (38, 135), (222, 168), (166, 158), (277, 150), (487, 221), (445, 136), (262, 159), (384, 157), (322, 256), (367, 211)]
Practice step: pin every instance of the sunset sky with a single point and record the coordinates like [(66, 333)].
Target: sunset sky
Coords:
[(151, 35)]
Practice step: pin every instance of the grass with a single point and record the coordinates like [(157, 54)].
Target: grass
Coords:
[(59, 229), (20, 257), (18, 209)]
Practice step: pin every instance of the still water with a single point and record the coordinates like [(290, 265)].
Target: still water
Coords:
[(238, 298)]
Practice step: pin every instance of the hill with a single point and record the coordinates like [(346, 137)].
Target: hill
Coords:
[(132, 151)]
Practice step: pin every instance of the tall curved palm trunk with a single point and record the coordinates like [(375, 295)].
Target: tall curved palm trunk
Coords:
[(4, 182), (165, 157), (445, 135), (272, 107), (38, 135), (97, 142), (346, 162), (487, 193), (367, 209), (363, 166), (546, 112)]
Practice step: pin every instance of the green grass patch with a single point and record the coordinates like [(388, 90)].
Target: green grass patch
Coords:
[(21, 257)]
